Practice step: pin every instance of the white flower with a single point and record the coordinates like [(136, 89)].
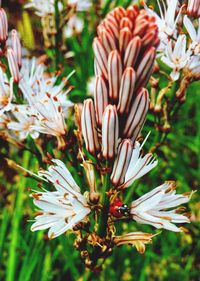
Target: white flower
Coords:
[(43, 7), (74, 26), (47, 106), (25, 120), (194, 65), (62, 209), (176, 57), (6, 92), (81, 5), (153, 207), (138, 166), (32, 71), (34, 74), (194, 35), (167, 21)]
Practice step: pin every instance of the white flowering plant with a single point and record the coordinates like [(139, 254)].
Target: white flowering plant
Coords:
[(91, 122)]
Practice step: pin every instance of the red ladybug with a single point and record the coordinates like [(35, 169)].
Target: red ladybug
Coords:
[(118, 209)]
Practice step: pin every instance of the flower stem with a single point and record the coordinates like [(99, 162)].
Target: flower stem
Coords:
[(103, 219), (105, 210), (58, 36)]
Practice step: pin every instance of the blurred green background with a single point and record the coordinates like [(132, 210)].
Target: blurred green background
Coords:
[(27, 256)]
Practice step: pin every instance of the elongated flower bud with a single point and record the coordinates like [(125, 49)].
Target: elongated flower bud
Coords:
[(3, 26), (145, 68), (110, 132), (121, 162), (108, 40), (137, 239), (126, 90), (137, 115), (132, 51), (193, 8), (89, 127), (124, 38), (13, 65), (114, 74), (16, 46), (100, 98), (101, 56)]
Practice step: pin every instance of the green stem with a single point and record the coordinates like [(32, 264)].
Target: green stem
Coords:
[(17, 215), (103, 219), (58, 36), (105, 210)]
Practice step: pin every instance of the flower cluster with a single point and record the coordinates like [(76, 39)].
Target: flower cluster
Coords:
[(109, 127), (43, 107), (174, 50)]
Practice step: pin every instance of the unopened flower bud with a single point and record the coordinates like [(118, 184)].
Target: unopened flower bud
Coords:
[(90, 174), (137, 115), (114, 74), (126, 90), (124, 38), (101, 56), (3, 26), (89, 127), (121, 162), (100, 98), (13, 65), (110, 132), (16, 46), (108, 40), (145, 68), (132, 51), (193, 8)]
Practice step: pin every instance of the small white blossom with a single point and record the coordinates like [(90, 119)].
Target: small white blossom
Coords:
[(23, 122), (167, 21), (138, 165), (80, 5), (47, 106), (176, 56), (194, 35), (74, 26), (153, 207), (63, 209), (43, 7), (6, 92)]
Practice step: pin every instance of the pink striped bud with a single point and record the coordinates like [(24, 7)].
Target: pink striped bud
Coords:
[(132, 51), (140, 28), (137, 115), (3, 26), (148, 38), (13, 65), (100, 98), (16, 46), (108, 40), (89, 127), (101, 56), (132, 13), (126, 90), (125, 37), (126, 22), (114, 74), (110, 132), (112, 26), (193, 8), (145, 68), (119, 13), (121, 162)]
